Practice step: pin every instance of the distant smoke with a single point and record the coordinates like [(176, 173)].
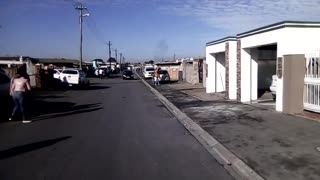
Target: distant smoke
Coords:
[(161, 51)]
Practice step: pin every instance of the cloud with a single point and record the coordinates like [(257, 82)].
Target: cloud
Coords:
[(236, 16)]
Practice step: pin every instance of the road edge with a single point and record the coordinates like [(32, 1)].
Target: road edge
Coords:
[(235, 166)]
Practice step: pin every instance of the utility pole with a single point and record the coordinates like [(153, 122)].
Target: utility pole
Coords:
[(109, 44), (120, 62), (81, 8)]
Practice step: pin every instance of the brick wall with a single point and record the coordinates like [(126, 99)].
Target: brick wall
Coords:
[(227, 69), (239, 70)]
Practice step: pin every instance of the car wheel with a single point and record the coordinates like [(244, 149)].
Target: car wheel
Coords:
[(274, 97)]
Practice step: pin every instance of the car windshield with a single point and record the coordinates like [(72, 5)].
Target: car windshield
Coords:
[(70, 72), (150, 69), (127, 72), (163, 72)]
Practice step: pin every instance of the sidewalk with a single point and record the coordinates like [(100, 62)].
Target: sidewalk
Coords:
[(276, 145)]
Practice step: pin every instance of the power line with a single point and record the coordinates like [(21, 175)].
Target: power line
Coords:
[(94, 33), (94, 27)]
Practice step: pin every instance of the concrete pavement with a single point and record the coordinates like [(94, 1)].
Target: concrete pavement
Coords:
[(276, 145), (116, 129)]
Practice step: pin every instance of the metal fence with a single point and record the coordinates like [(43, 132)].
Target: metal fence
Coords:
[(312, 82)]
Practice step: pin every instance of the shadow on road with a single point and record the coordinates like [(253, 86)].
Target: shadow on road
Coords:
[(30, 147), (41, 110), (88, 88)]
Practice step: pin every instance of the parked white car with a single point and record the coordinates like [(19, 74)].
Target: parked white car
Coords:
[(74, 77), (148, 72), (273, 87)]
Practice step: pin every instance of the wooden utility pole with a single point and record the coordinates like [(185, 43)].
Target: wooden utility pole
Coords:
[(81, 8), (109, 44)]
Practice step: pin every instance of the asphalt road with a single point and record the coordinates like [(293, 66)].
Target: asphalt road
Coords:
[(116, 129)]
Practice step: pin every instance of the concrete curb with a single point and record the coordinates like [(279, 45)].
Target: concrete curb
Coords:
[(235, 166)]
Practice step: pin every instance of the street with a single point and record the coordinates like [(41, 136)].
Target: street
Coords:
[(116, 129)]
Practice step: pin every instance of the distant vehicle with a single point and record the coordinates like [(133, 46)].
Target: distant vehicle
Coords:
[(4, 86), (74, 77), (127, 75), (148, 71), (273, 87)]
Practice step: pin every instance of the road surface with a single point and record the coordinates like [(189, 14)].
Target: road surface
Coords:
[(116, 129)]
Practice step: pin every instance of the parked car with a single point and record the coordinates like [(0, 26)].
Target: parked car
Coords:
[(147, 71), (273, 87), (164, 76), (4, 86), (74, 77), (127, 74)]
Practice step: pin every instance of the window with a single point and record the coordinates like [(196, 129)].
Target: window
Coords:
[(69, 72), (163, 72), (150, 69), (128, 72)]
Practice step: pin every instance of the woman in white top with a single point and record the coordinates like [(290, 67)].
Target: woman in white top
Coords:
[(18, 89)]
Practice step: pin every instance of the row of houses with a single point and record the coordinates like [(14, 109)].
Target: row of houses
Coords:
[(243, 65)]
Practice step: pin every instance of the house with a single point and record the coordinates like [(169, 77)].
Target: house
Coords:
[(221, 59), (59, 62), (11, 64), (243, 65)]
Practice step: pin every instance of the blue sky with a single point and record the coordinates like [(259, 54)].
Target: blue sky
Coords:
[(140, 29)]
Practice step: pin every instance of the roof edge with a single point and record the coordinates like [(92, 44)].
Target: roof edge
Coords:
[(279, 25), (222, 40)]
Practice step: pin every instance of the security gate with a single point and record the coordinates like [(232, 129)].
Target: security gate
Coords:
[(312, 82)]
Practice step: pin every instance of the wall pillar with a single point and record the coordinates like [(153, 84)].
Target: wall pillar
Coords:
[(290, 86), (227, 69), (232, 67), (239, 70)]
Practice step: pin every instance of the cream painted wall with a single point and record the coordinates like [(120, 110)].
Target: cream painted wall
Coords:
[(245, 75), (210, 81), (233, 70)]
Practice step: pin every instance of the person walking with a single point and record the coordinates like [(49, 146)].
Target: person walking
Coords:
[(157, 76), (18, 89), (100, 73)]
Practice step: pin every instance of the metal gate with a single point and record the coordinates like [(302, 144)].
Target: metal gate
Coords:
[(312, 82)]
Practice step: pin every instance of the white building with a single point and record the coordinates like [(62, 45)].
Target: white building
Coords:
[(243, 65)]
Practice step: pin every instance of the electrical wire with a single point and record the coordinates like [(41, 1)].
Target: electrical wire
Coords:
[(91, 21)]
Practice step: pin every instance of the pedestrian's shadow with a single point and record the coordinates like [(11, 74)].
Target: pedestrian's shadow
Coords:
[(15, 151)]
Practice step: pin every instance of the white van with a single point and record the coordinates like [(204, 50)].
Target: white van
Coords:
[(148, 71)]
